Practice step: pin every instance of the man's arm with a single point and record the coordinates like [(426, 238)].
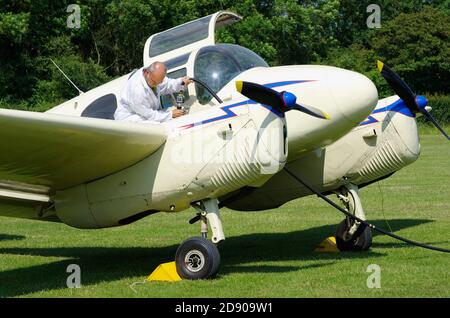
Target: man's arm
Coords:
[(170, 85)]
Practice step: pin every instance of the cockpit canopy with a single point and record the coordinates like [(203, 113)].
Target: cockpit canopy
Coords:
[(191, 50), (217, 65), (187, 37)]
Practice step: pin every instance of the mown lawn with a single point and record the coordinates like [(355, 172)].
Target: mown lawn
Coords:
[(266, 254)]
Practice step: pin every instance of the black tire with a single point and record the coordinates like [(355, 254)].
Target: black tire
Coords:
[(197, 258), (361, 240)]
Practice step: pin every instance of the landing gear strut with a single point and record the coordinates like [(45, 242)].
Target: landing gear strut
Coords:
[(351, 235), (197, 257)]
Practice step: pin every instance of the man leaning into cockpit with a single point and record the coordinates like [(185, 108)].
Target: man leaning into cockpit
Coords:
[(140, 98)]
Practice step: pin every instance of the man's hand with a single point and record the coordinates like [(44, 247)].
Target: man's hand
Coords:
[(177, 113), (186, 80)]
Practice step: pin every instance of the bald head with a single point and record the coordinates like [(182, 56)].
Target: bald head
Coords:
[(155, 73), (157, 67)]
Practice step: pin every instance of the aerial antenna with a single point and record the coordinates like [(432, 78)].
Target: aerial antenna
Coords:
[(79, 90)]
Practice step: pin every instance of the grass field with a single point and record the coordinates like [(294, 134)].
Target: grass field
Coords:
[(266, 254)]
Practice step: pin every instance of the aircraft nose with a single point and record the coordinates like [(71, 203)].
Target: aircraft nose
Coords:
[(354, 94)]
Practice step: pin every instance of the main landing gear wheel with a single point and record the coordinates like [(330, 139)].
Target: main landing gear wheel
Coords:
[(197, 258), (361, 240)]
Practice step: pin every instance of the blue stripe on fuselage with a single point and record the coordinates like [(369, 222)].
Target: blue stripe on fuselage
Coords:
[(229, 113), (398, 106)]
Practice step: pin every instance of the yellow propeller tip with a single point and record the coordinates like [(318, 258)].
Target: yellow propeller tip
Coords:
[(327, 117), (380, 65), (239, 85)]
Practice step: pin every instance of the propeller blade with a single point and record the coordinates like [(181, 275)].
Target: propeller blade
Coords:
[(415, 103), (399, 86), (311, 111), (283, 101), (261, 94), (435, 123)]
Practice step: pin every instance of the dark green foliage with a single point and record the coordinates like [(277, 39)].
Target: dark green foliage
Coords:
[(418, 46), (440, 108), (359, 59), (414, 40)]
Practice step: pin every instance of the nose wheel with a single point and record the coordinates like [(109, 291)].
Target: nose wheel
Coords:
[(351, 235), (361, 240)]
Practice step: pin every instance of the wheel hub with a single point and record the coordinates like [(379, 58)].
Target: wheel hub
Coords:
[(194, 260)]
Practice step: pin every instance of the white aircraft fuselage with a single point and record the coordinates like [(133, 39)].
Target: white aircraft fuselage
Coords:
[(210, 153)]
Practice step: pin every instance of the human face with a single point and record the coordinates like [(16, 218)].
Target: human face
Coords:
[(154, 78)]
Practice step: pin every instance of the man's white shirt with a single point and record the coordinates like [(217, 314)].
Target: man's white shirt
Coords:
[(138, 102)]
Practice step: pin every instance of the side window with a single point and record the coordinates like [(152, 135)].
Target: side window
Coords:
[(103, 107), (169, 100)]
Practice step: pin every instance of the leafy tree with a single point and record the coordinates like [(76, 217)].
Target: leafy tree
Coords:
[(359, 59), (85, 74), (254, 32), (288, 33), (414, 40), (417, 46)]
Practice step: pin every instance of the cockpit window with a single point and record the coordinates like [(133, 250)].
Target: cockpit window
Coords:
[(217, 65), (180, 36)]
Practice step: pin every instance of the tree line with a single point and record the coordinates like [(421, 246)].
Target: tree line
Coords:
[(413, 38)]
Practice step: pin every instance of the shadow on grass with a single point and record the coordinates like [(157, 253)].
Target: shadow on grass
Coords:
[(108, 264), (8, 237)]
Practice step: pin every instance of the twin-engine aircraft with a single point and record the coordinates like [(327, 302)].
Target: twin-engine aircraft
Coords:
[(246, 122)]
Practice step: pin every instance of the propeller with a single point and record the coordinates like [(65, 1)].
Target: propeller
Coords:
[(416, 104), (283, 101)]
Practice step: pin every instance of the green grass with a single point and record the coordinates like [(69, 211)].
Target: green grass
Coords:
[(266, 254)]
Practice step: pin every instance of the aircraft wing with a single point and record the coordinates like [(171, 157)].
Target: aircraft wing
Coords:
[(57, 151)]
